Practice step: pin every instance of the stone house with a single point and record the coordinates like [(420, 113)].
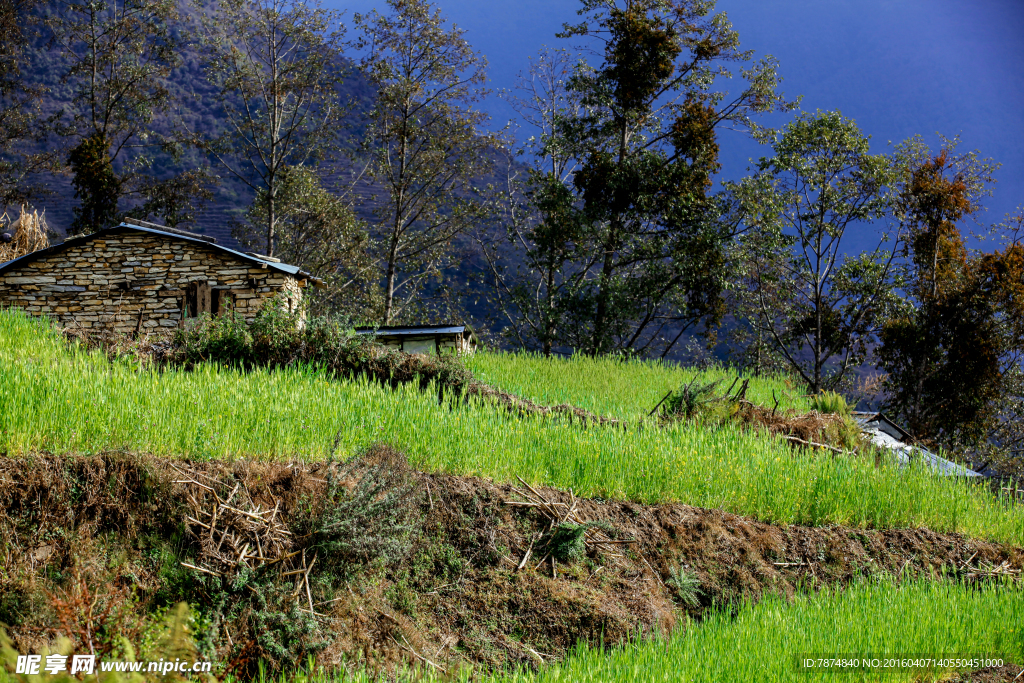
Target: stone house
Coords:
[(139, 276)]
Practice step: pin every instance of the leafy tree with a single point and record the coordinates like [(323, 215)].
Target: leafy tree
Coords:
[(96, 185), (176, 200), (317, 230), (424, 144), (646, 146), (540, 225), (953, 349), (755, 284), (821, 184), (118, 54), (277, 66)]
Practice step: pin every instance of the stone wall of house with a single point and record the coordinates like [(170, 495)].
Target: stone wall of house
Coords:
[(138, 281)]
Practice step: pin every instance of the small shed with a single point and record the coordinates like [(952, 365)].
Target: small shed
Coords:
[(139, 276), (885, 433), (432, 339)]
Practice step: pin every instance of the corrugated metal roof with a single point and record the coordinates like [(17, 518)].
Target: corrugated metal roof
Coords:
[(411, 331), (885, 433), (294, 271)]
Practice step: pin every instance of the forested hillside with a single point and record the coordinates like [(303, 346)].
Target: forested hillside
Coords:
[(360, 152)]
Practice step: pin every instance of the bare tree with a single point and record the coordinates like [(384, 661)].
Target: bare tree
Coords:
[(424, 143), (277, 65), (530, 260), (318, 230), (118, 54), (21, 123)]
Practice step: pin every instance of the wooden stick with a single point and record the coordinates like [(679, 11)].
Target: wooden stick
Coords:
[(526, 557), (243, 512), (660, 402), (328, 602), (969, 560), (417, 654), (200, 569), (196, 521), (223, 535), (232, 494), (191, 481), (539, 497), (213, 521), (274, 513), (541, 562), (814, 444), (305, 578), (284, 557), (386, 616)]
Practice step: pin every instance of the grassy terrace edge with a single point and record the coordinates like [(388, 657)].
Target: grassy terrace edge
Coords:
[(763, 642), (612, 387), (62, 400)]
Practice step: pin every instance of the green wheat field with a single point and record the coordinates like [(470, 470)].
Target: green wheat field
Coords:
[(61, 399)]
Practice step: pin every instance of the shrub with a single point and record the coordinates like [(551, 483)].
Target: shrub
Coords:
[(691, 398), (568, 540), (367, 513), (830, 402)]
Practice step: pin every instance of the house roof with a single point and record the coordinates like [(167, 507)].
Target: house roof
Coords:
[(885, 433), (169, 233), (412, 330)]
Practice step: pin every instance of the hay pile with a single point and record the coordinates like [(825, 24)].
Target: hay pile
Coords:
[(23, 235)]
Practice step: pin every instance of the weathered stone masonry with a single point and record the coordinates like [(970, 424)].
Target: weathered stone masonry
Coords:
[(128, 279)]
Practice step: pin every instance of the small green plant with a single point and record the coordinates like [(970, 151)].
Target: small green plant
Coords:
[(691, 398), (568, 541), (686, 585), (829, 402)]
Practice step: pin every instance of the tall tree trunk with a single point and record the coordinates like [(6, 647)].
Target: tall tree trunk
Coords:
[(389, 299), (602, 298), (271, 219), (609, 259), (549, 320)]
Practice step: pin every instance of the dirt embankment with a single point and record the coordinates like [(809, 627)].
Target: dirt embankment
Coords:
[(113, 530)]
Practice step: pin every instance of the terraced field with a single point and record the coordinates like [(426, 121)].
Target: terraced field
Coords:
[(63, 400)]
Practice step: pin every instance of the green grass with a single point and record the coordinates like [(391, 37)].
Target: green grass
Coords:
[(614, 388), (762, 642), (59, 400)]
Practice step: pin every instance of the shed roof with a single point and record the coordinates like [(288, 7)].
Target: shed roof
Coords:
[(179, 235), (885, 433), (412, 330)]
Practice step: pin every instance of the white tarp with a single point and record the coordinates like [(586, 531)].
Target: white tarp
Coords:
[(885, 434)]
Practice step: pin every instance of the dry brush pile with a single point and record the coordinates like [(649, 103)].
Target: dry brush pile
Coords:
[(23, 235)]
